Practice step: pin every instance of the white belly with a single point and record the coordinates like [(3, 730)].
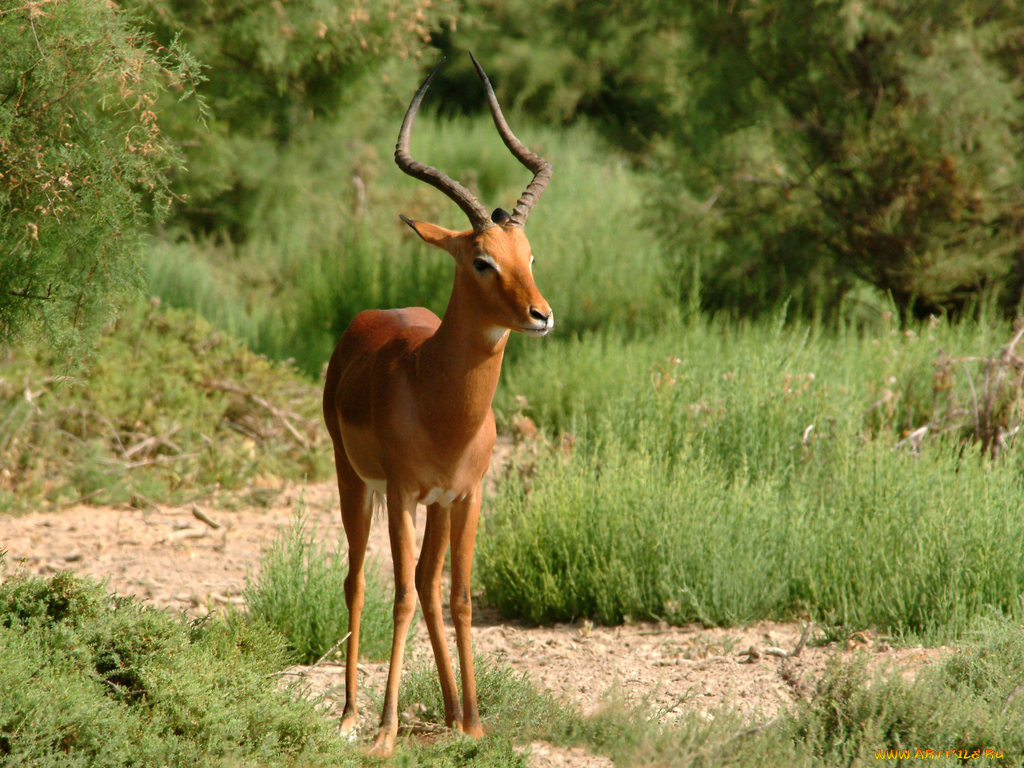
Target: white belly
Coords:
[(442, 496), (439, 496)]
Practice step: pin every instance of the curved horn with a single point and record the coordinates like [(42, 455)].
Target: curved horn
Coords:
[(541, 168), (463, 197)]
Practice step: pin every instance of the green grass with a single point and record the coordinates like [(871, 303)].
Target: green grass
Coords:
[(87, 679), (300, 592), (313, 261), (698, 491)]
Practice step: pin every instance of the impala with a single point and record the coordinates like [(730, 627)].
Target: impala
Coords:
[(407, 402)]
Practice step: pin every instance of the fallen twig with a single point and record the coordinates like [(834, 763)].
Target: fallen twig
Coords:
[(164, 439), (804, 636), (784, 654), (1009, 699), (423, 726), (200, 515), (330, 650), (183, 534), (277, 413), (82, 499)]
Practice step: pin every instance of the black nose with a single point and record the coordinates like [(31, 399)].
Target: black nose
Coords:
[(536, 314)]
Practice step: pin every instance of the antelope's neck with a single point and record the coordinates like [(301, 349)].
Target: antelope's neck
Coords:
[(459, 369)]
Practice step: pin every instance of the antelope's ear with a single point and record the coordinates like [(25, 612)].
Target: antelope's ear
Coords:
[(434, 234)]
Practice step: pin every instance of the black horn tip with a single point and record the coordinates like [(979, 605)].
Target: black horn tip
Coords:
[(433, 72), (408, 221), (501, 216), (479, 69)]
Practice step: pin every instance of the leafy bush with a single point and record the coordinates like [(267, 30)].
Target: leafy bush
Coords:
[(87, 679), (169, 409), (86, 163), (300, 592)]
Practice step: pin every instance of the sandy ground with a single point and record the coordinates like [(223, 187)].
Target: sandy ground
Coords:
[(171, 558)]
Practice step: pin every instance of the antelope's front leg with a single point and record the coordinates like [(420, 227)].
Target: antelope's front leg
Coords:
[(401, 531), (428, 584), (465, 515)]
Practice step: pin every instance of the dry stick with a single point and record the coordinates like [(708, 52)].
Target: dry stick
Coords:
[(755, 729), (200, 515), (1009, 699), (283, 419), (330, 650), (1008, 351), (158, 460), (183, 534), (163, 439), (783, 654), (227, 386), (804, 636), (82, 499), (422, 726)]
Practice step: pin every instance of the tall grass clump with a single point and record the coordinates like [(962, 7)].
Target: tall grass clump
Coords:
[(300, 592), (728, 473)]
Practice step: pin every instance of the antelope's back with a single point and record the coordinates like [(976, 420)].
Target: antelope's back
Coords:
[(372, 350)]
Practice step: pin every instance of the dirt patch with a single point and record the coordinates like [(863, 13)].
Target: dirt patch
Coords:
[(172, 558)]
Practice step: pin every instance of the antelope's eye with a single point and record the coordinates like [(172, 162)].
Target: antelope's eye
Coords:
[(482, 265)]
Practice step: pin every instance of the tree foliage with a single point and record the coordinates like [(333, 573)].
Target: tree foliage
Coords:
[(615, 63), (84, 163), (804, 147), (273, 69), (833, 143)]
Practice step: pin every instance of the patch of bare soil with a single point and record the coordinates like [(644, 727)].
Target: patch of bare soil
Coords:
[(172, 558)]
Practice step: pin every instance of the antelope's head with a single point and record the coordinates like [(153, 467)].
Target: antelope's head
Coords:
[(494, 261)]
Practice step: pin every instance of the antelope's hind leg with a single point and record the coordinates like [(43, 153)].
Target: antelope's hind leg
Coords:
[(402, 532), (356, 517)]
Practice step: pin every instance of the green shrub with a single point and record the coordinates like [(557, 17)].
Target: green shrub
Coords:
[(87, 679), (827, 146), (169, 409)]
